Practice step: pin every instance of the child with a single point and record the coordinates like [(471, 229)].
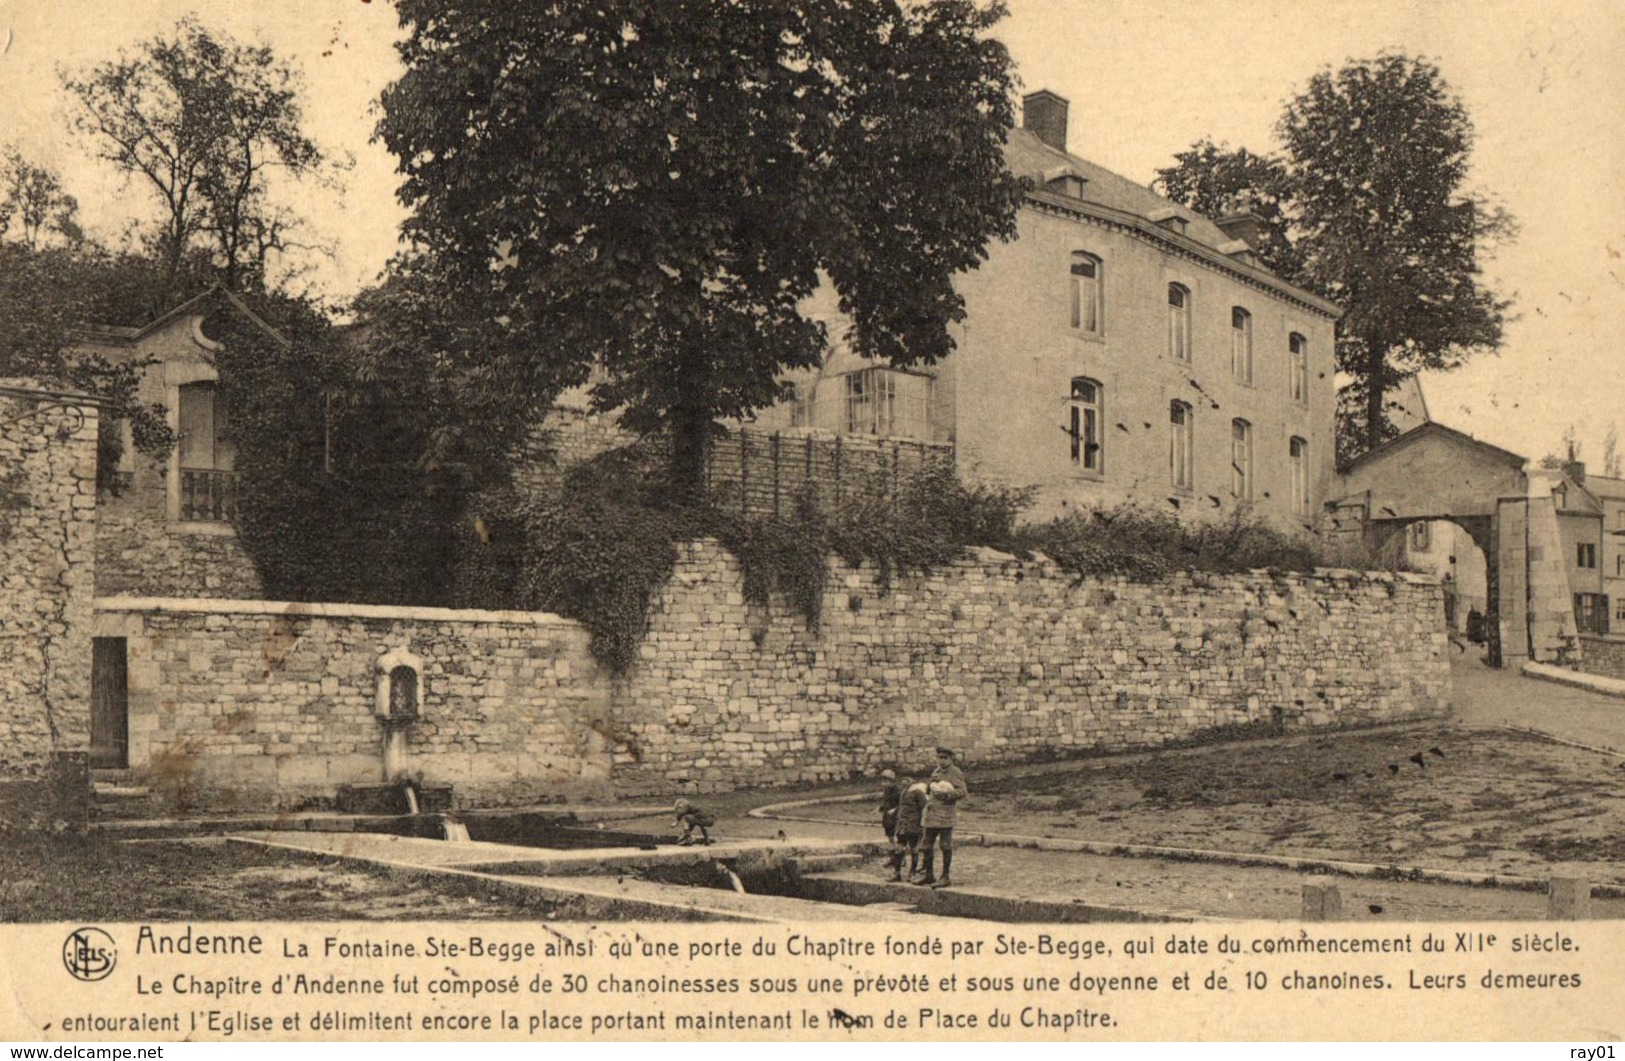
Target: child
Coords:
[(891, 794), (690, 818), (909, 810)]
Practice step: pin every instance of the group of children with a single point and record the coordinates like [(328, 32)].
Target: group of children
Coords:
[(919, 817)]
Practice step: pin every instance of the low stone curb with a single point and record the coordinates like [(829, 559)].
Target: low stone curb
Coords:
[(590, 906), (1595, 683), (1415, 874)]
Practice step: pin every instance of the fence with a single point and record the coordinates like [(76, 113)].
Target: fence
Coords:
[(763, 473)]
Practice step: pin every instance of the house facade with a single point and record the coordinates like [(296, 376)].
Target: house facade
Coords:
[(166, 529), (1123, 349)]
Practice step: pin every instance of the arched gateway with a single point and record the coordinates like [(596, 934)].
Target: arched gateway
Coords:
[(1433, 472)]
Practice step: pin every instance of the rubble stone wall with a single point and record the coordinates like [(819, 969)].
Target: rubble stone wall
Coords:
[(1006, 660), (260, 704), (47, 553), (141, 551), (256, 704), (1604, 654)]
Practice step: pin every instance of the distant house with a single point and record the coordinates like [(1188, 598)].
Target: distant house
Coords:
[(1122, 349), (1552, 540), (167, 530)]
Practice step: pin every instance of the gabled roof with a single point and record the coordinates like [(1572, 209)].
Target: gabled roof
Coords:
[(130, 336), (1604, 486), (1114, 197), (1430, 429)]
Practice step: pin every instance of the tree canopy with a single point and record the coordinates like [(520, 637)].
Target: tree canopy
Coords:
[(202, 120), (641, 194), (1374, 202), (33, 200), (1215, 180)]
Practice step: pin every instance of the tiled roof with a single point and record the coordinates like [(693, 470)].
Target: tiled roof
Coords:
[(1028, 156)]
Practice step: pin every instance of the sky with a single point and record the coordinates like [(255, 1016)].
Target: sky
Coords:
[(1543, 83)]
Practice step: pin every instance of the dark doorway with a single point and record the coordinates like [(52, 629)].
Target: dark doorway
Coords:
[(109, 704)]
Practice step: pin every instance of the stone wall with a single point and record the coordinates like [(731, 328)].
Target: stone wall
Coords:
[(144, 546), (141, 551), (1008, 660), (47, 547), (253, 704), (1603, 654)]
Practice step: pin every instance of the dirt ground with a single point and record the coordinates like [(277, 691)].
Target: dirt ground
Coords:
[(96, 879), (1438, 797), (1434, 796)]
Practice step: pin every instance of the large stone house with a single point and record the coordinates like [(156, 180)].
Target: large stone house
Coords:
[(167, 530), (1122, 349)]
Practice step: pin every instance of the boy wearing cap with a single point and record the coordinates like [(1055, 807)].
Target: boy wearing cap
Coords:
[(946, 789), (891, 794), (690, 818)]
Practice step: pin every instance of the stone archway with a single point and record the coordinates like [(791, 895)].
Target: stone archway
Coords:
[(1433, 472), (1382, 535)]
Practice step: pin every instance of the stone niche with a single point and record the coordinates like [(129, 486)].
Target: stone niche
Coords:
[(399, 705)]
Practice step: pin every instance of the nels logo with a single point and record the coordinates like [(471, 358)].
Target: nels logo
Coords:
[(89, 954)]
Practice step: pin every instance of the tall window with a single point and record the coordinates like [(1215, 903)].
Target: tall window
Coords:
[(1298, 452), (1181, 445), (1298, 348), (1241, 345), (801, 405), (871, 402), (1083, 424), (1241, 460), (1585, 554), (1421, 537), (206, 456), (1179, 322), (1087, 302)]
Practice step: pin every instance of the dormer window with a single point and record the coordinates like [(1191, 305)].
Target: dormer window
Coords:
[(1069, 185), (1064, 180), (1171, 219)]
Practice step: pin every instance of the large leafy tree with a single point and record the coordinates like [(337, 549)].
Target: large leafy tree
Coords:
[(1370, 195), (202, 120), (1379, 154), (1216, 180), (643, 193), (48, 293)]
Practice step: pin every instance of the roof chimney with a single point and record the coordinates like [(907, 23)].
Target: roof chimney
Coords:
[(1043, 114), (1574, 468)]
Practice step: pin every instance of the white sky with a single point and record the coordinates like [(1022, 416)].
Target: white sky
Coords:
[(1544, 83)]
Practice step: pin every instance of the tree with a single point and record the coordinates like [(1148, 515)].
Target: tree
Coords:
[(203, 120), (33, 196), (1215, 180), (1368, 197), (47, 293), (1378, 152), (642, 193)]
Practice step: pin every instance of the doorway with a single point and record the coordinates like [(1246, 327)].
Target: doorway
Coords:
[(109, 704)]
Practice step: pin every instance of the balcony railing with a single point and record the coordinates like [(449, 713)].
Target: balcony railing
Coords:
[(208, 496)]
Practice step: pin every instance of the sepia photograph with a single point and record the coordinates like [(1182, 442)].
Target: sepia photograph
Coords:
[(812, 519)]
